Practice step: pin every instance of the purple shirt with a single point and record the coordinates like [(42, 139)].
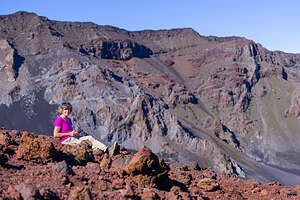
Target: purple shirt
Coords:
[(65, 126)]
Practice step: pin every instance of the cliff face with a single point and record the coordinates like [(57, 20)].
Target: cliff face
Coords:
[(227, 103)]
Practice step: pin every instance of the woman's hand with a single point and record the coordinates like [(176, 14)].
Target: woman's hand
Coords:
[(74, 133)]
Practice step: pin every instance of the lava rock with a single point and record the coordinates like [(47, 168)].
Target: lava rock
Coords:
[(146, 168), (34, 147), (62, 167)]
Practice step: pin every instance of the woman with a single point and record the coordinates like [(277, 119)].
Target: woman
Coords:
[(63, 129), (63, 125)]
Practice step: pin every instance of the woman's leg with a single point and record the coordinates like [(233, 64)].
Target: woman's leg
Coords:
[(95, 143), (71, 141)]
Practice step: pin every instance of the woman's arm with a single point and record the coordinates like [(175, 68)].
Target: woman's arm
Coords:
[(56, 133)]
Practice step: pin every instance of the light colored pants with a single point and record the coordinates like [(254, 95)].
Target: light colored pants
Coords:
[(76, 141)]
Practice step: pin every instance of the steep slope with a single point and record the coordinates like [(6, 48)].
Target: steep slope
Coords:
[(223, 102)]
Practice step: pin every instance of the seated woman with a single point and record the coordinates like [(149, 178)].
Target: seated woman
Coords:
[(63, 129)]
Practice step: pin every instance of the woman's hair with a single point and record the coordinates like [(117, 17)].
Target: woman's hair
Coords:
[(64, 106)]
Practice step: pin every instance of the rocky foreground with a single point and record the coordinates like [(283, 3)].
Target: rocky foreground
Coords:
[(39, 167)]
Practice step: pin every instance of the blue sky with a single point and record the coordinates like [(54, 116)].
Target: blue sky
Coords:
[(274, 24)]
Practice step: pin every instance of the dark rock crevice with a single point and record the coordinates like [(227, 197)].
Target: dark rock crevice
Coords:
[(118, 50)]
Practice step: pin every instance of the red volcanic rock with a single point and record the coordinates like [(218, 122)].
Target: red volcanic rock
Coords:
[(76, 154), (28, 191), (288, 192), (105, 162), (44, 149), (47, 194), (145, 162), (143, 178), (149, 194), (5, 139), (80, 193), (129, 190), (146, 168), (103, 186), (93, 167), (34, 147), (208, 185), (118, 183), (14, 193), (179, 195)]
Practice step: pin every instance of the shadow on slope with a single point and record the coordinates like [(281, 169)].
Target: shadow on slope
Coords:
[(38, 117)]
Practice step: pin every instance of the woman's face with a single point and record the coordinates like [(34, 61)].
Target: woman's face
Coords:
[(65, 112)]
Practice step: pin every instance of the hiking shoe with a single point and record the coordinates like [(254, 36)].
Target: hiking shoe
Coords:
[(114, 149), (106, 150)]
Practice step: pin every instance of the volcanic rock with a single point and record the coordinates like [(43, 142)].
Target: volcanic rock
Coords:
[(146, 168), (148, 194), (295, 104), (62, 167), (287, 192), (142, 179), (14, 193), (105, 162), (121, 162), (76, 154), (208, 185), (80, 193), (28, 191), (5, 139), (47, 194), (35, 147), (7, 64)]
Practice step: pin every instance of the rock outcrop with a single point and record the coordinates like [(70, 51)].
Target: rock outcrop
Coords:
[(9, 62), (146, 168), (33, 147), (294, 108), (119, 50)]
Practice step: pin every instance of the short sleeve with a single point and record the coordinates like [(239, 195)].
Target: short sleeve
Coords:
[(58, 122)]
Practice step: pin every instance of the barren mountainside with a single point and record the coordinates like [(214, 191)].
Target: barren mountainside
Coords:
[(224, 102)]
